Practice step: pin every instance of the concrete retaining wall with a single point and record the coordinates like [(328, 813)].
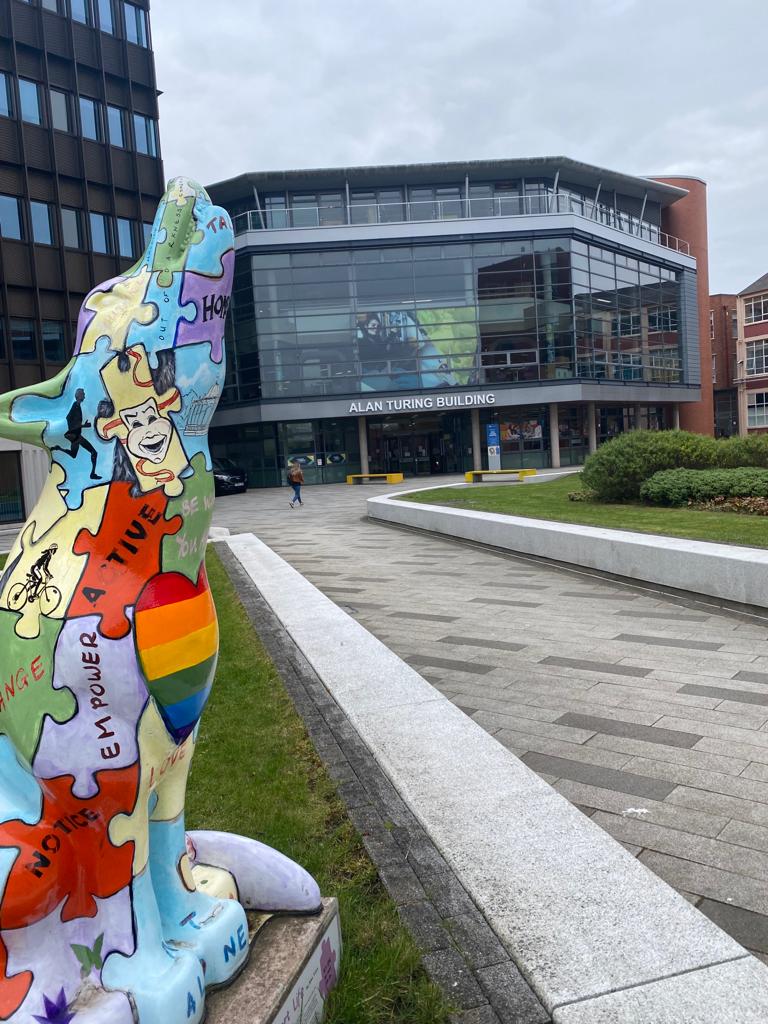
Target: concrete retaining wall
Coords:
[(597, 936), (714, 570)]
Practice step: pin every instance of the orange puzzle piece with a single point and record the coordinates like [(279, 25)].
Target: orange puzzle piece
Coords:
[(122, 555)]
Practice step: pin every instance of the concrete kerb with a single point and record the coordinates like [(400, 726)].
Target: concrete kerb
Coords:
[(737, 575), (584, 921)]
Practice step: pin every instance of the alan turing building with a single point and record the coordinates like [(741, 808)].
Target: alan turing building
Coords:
[(383, 317), (80, 177)]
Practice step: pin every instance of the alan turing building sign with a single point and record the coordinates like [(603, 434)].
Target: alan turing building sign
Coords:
[(413, 403)]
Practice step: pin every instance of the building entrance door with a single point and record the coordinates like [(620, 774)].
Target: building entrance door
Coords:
[(419, 446)]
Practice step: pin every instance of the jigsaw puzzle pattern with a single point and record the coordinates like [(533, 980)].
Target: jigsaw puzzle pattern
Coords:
[(108, 644)]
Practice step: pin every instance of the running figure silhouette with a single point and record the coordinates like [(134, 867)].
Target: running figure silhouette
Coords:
[(74, 433)]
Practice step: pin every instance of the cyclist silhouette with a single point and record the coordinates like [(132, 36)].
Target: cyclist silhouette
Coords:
[(41, 565), (74, 434)]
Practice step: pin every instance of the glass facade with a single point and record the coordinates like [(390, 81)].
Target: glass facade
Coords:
[(417, 317), (327, 449), (11, 495)]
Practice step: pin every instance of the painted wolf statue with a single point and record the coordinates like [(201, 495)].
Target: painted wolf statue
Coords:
[(109, 912)]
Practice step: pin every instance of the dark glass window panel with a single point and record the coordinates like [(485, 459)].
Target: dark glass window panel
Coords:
[(23, 341), (6, 104), (125, 237), (106, 17), (136, 25), (52, 5), (81, 11), (53, 341), (116, 123), (146, 134), (70, 228), (90, 119), (363, 208), (99, 233), (40, 215), (146, 230), (61, 111), (10, 220), (29, 95)]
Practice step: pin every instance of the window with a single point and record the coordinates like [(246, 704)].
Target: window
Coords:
[(124, 237), (53, 341), (116, 123), (42, 230), (81, 11), (29, 94), (711, 325), (52, 5), (714, 369), (10, 221), (6, 104), (146, 136), (757, 358), (90, 119), (757, 408), (23, 340), (734, 324), (106, 21), (136, 25), (100, 233), (71, 231), (146, 229), (756, 309), (61, 111)]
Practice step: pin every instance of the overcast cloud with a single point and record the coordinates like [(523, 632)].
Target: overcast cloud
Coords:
[(641, 86)]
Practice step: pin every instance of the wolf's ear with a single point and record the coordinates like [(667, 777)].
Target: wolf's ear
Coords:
[(12, 428)]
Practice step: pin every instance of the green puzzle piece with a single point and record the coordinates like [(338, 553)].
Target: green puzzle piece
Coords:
[(170, 255), (26, 684), (185, 550)]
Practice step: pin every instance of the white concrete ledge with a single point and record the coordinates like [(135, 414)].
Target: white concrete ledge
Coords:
[(722, 571), (587, 924)]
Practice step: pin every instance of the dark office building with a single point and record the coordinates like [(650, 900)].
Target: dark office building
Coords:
[(80, 176), (383, 317)]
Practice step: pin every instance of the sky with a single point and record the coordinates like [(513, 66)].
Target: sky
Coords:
[(647, 87)]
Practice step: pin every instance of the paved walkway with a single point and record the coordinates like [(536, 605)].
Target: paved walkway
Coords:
[(648, 713)]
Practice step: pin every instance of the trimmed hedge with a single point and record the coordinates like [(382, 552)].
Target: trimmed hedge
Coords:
[(681, 486), (618, 469)]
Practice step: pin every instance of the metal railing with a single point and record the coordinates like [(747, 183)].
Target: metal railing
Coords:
[(420, 211)]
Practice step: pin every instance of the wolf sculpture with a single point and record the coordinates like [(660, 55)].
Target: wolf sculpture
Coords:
[(109, 912)]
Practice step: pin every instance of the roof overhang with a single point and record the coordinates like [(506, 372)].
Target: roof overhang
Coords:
[(572, 171)]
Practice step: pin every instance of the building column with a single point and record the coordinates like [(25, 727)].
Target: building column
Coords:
[(477, 451), (362, 436), (554, 434), (676, 416), (592, 426), (638, 413)]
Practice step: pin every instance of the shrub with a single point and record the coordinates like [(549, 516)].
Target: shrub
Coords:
[(616, 471), (743, 451), (681, 486), (583, 495)]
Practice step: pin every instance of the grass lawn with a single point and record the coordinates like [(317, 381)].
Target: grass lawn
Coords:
[(550, 501), (256, 772)]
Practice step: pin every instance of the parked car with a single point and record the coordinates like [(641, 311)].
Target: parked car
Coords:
[(228, 478)]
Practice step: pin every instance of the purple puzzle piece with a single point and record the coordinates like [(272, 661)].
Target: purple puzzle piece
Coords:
[(211, 298)]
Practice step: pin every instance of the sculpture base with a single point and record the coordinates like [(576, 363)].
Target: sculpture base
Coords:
[(294, 964)]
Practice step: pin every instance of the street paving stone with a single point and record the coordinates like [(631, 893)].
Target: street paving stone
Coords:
[(660, 734)]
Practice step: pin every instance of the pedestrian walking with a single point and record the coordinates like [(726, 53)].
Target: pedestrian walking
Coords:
[(295, 479)]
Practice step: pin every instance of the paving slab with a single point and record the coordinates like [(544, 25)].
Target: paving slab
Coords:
[(728, 993)]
